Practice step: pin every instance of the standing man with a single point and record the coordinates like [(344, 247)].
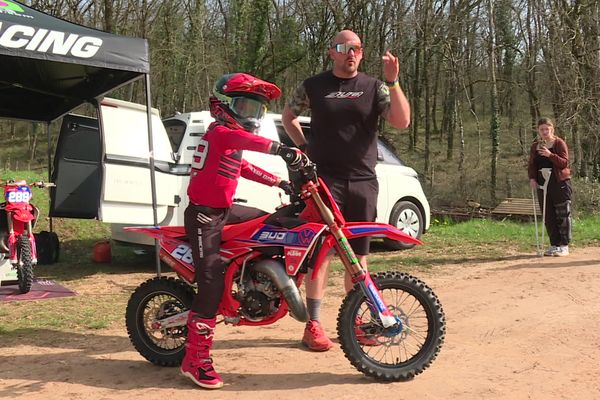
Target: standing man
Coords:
[(345, 107)]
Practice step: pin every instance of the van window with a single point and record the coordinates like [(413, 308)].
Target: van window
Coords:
[(386, 155), (283, 136), (175, 130), (385, 152), (81, 142)]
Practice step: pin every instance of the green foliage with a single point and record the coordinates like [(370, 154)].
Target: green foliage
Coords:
[(23, 145), (586, 196), (586, 230)]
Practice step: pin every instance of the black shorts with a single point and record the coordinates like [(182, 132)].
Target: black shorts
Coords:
[(357, 201)]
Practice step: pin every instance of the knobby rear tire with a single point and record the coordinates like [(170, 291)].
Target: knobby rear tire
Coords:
[(363, 357), (154, 299)]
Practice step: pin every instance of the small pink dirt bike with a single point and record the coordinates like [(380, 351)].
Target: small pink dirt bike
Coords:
[(17, 218)]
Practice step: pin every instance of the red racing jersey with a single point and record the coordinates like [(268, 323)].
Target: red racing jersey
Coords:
[(217, 165)]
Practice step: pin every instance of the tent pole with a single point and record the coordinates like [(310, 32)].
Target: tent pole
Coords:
[(152, 175), (49, 170)]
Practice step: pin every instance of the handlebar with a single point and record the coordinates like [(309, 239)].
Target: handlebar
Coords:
[(22, 182), (305, 167), (42, 184), (301, 173)]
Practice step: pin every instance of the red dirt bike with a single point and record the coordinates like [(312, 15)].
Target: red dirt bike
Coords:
[(266, 259), (17, 218)]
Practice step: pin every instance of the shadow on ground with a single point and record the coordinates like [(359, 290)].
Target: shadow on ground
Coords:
[(106, 362)]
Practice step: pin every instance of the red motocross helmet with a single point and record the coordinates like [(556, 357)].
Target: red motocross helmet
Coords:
[(240, 100)]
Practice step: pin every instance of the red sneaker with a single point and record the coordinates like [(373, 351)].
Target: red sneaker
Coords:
[(362, 337), (315, 337)]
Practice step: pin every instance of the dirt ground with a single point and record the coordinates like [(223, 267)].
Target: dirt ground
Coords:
[(522, 328)]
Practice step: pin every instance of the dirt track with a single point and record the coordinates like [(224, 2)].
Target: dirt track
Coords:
[(522, 328)]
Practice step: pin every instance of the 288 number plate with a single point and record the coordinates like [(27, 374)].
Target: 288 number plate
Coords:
[(19, 196)]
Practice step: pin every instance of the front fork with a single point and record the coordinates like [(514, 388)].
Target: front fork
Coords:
[(12, 239), (352, 265), (363, 278)]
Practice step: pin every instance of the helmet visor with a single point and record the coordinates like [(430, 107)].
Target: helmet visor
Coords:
[(246, 107)]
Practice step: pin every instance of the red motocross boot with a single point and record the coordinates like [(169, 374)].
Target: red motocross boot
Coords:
[(197, 364)]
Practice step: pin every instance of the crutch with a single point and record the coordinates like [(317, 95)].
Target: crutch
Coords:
[(546, 172), (538, 247)]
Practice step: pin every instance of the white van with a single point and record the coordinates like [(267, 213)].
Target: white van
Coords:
[(108, 177)]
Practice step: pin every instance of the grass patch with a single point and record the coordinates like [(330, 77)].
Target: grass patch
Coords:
[(78, 314)]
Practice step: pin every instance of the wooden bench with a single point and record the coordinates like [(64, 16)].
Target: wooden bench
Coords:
[(516, 207)]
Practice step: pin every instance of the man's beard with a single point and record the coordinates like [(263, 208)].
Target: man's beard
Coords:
[(350, 68)]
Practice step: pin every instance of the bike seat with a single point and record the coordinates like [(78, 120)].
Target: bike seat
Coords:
[(287, 216), (232, 230)]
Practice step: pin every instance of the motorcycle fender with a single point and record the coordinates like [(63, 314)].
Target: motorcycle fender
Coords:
[(158, 232), (153, 231), (23, 214), (354, 230)]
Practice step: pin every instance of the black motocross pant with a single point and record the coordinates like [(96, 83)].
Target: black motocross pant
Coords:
[(558, 211), (204, 226)]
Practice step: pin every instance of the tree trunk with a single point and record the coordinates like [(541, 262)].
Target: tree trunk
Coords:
[(494, 119)]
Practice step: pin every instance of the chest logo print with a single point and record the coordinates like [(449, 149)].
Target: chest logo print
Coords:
[(344, 95)]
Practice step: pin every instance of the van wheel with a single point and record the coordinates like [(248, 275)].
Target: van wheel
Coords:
[(407, 217)]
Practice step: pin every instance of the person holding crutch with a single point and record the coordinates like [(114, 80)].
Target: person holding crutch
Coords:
[(553, 186)]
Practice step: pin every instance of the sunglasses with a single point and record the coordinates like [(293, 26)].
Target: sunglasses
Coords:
[(344, 48)]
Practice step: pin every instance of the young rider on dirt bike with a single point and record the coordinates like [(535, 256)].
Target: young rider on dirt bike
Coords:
[(238, 104)]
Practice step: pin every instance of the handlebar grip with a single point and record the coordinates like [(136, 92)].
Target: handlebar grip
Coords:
[(42, 184)]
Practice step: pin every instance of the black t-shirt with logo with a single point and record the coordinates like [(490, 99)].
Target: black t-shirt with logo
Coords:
[(344, 117)]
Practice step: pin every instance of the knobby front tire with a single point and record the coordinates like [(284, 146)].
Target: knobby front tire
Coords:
[(25, 267), (392, 355)]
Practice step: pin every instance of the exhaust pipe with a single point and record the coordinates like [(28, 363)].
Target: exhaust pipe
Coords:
[(286, 285)]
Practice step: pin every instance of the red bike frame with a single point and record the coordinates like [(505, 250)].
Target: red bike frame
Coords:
[(19, 216)]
